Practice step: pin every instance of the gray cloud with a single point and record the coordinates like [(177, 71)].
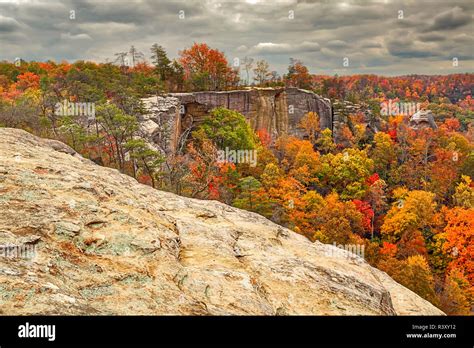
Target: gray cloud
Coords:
[(320, 33), (429, 37), (8, 24), (451, 19), (337, 44), (284, 48)]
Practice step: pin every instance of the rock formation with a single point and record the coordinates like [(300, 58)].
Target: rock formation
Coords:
[(423, 119), (104, 244), (343, 109), (161, 126), (277, 110)]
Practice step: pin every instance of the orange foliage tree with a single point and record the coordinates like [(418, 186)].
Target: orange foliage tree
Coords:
[(206, 68)]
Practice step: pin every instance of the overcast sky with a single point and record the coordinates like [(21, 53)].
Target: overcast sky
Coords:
[(369, 34)]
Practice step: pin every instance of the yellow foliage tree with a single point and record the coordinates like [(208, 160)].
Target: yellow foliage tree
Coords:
[(310, 123), (464, 194), (414, 210), (455, 298)]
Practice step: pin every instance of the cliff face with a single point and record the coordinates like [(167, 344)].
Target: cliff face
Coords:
[(277, 110), (101, 243)]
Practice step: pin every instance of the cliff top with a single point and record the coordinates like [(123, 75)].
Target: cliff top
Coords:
[(246, 90)]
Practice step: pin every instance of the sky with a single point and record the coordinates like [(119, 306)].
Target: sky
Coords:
[(384, 37)]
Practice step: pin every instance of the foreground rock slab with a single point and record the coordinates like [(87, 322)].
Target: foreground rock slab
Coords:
[(101, 243)]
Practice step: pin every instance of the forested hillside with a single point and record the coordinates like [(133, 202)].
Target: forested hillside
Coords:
[(406, 194)]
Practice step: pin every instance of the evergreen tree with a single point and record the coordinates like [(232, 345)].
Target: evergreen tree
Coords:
[(161, 61)]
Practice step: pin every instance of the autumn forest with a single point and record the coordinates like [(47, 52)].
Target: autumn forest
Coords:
[(405, 193)]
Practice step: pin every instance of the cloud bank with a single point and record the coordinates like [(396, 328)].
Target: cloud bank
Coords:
[(379, 36)]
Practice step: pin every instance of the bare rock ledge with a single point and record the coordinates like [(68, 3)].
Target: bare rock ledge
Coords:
[(105, 244)]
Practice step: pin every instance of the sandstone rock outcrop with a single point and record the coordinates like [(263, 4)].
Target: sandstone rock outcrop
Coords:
[(343, 109), (161, 126), (105, 244), (277, 110), (422, 119)]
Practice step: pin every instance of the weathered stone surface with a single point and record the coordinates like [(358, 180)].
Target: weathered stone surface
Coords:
[(126, 248), (162, 124), (422, 119)]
